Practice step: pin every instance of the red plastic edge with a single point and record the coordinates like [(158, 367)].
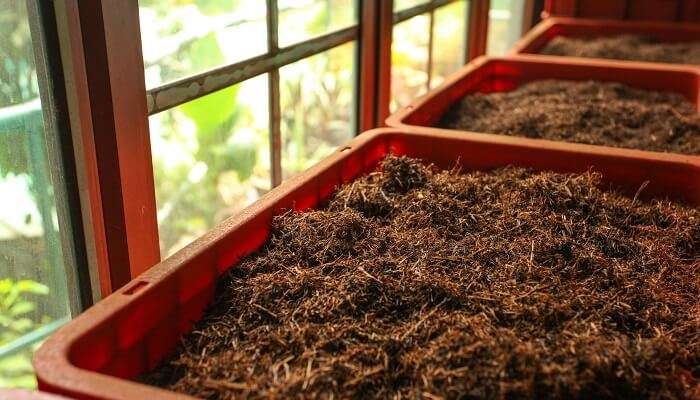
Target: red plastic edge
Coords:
[(549, 28), (93, 356), (656, 10), (21, 394), (487, 74)]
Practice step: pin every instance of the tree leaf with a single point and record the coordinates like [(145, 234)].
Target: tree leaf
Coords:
[(22, 307), (215, 7), (211, 111), (5, 285), (29, 286)]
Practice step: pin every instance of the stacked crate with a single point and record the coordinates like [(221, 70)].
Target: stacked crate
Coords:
[(664, 20)]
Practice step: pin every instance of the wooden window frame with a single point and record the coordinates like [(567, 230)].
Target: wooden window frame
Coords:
[(476, 30), (105, 86), (104, 74), (54, 173)]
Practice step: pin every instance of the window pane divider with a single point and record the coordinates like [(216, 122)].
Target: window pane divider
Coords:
[(386, 28), (431, 28), (103, 68), (408, 13), (368, 69), (478, 28), (183, 90), (274, 112)]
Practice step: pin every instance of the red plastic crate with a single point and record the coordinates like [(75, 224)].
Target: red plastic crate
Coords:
[(538, 37), (486, 75), (95, 355), (650, 10), (20, 394)]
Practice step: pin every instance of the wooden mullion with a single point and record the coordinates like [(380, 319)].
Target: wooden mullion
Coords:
[(531, 14), (385, 31), (80, 118), (181, 91), (408, 13), (357, 67), (274, 112), (478, 27), (467, 16), (431, 28), (105, 86), (368, 71)]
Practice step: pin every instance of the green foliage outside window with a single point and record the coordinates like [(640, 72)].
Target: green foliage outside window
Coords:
[(211, 155), (18, 309), (30, 250)]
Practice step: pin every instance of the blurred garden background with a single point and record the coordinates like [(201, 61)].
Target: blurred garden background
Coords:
[(211, 156)]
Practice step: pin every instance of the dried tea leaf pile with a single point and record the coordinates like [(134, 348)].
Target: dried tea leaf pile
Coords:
[(416, 283), (625, 47), (610, 114)]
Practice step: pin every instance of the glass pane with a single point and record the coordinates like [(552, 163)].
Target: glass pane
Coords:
[(449, 40), (317, 102), (404, 4), (210, 159), (303, 19), (505, 25), (409, 60), (185, 37), (33, 290)]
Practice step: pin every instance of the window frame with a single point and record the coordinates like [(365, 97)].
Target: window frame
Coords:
[(53, 144), (105, 88), (63, 174), (109, 107)]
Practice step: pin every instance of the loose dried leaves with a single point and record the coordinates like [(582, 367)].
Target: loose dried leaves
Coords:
[(413, 282), (610, 114)]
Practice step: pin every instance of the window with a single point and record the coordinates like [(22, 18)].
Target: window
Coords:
[(38, 290), (505, 25), (182, 38), (409, 60), (449, 45), (249, 95), (429, 42), (231, 118), (210, 158), (301, 20), (317, 107), (404, 4)]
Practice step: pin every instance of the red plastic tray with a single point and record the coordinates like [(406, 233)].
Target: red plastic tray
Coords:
[(93, 356), (487, 75), (20, 394), (656, 10), (549, 28)]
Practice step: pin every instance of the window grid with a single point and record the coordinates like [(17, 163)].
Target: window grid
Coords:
[(430, 8), (167, 96), (170, 95)]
